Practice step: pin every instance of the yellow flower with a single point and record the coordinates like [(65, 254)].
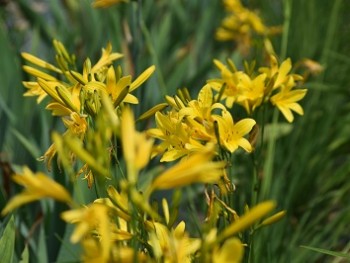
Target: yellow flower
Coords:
[(286, 100), (253, 215), (89, 219), (175, 136), (252, 91), (106, 59), (37, 186), (107, 3), (231, 134), (198, 168), (231, 78), (240, 25), (116, 85), (172, 245), (136, 147), (76, 124), (201, 108), (230, 252), (198, 115), (279, 74)]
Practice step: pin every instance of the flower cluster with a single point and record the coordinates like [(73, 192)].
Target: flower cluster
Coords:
[(250, 89), (75, 96), (241, 24), (193, 125)]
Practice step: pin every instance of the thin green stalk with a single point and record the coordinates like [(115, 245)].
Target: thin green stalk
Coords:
[(268, 166), (255, 183), (286, 26), (332, 26), (148, 38)]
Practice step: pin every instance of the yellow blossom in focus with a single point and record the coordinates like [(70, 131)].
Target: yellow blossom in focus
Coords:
[(37, 186), (174, 134), (231, 134), (231, 78), (116, 85), (286, 100), (252, 91), (106, 59)]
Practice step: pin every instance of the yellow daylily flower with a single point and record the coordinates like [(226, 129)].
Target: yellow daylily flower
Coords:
[(286, 100), (279, 74), (249, 218), (231, 78), (240, 25), (198, 115), (201, 108), (37, 186), (76, 124), (231, 134), (172, 245), (88, 219), (106, 59), (175, 136), (252, 91), (34, 89), (136, 147), (116, 84), (230, 252)]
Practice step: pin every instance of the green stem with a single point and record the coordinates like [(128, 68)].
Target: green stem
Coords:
[(149, 44), (286, 25), (268, 166)]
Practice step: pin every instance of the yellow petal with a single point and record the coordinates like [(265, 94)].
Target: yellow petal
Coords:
[(39, 74), (39, 62), (142, 78), (248, 219), (231, 251)]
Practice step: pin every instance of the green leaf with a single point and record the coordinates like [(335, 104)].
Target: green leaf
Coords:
[(328, 252), (7, 242), (25, 255), (28, 144), (42, 249)]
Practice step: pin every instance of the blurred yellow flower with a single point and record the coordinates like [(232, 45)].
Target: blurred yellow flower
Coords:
[(249, 218), (230, 252), (37, 186), (90, 219), (172, 245), (107, 3), (197, 168), (240, 25), (137, 147), (252, 91), (230, 77)]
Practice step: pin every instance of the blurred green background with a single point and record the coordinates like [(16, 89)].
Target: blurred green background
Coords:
[(311, 165)]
